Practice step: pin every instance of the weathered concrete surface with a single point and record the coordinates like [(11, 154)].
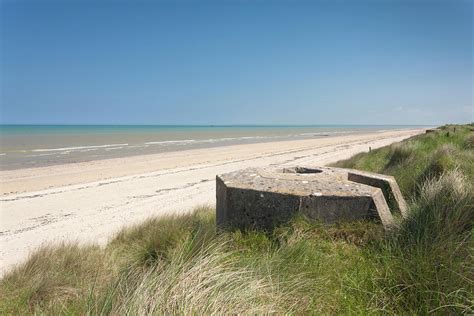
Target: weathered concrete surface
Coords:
[(387, 184), (265, 198)]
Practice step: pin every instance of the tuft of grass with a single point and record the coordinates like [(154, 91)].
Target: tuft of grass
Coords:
[(401, 154), (180, 264), (443, 210), (429, 260), (199, 279), (155, 240), (54, 278), (469, 142)]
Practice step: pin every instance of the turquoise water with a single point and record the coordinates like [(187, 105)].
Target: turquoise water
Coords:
[(23, 146)]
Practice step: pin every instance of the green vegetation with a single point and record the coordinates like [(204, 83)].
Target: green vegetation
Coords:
[(181, 265), (427, 156)]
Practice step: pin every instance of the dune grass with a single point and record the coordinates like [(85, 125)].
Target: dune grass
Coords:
[(422, 157), (181, 265)]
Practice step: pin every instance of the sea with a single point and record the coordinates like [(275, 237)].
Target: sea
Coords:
[(26, 146)]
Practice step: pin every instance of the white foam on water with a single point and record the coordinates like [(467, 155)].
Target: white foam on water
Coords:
[(210, 140), (76, 148), (113, 148), (325, 133), (40, 155), (170, 142)]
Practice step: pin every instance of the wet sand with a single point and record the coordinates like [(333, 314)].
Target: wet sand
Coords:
[(90, 201)]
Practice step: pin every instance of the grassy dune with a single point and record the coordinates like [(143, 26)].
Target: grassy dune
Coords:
[(181, 265)]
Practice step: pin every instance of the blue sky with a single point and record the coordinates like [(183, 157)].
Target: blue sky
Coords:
[(236, 62)]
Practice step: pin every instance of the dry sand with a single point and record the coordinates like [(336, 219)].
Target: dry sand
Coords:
[(90, 201)]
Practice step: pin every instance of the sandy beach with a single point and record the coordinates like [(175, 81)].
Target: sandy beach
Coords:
[(90, 201)]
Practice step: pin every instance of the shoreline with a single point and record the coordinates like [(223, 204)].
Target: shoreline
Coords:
[(90, 201), (46, 146), (14, 181)]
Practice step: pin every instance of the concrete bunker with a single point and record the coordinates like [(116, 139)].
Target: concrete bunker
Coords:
[(263, 198)]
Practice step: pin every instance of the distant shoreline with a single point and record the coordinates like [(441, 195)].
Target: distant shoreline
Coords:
[(30, 146)]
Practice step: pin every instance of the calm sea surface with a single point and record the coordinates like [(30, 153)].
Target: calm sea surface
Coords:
[(23, 146)]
